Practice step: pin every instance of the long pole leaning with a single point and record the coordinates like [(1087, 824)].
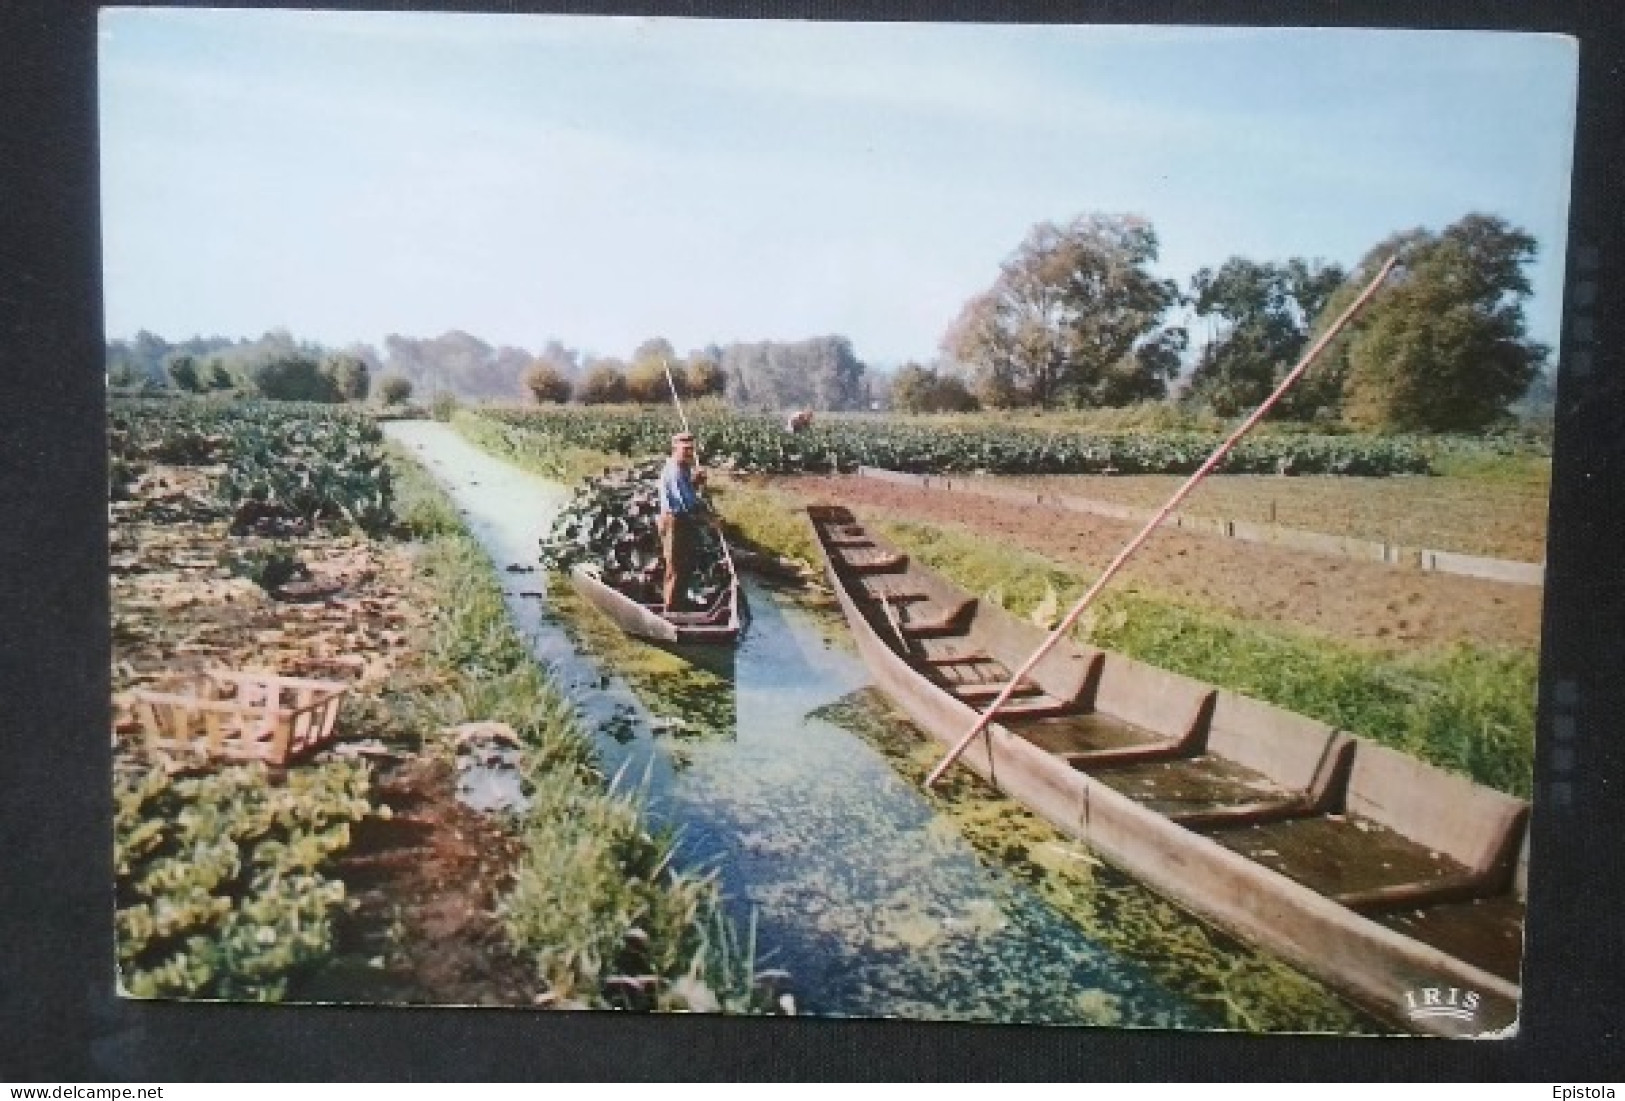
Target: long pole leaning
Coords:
[(677, 400), (1184, 491)]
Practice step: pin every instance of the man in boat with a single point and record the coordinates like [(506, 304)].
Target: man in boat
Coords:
[(681, 514)]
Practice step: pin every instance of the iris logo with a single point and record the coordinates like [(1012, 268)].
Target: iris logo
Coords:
[(1441, 1001)]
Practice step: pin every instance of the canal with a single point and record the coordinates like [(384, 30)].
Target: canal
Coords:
[(791, 779)]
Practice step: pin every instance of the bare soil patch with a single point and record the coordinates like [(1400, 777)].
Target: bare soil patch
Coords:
[(1340, 598), (426, 883), (1498, 520)]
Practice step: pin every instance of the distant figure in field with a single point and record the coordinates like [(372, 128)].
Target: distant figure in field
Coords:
[(798, 420)]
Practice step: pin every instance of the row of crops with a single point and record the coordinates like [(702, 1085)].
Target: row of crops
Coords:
[(225, 883), (759, 443), (221, 879), (285, 465)]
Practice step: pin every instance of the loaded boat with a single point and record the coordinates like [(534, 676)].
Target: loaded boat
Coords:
[(1398, 884), (718, 624)]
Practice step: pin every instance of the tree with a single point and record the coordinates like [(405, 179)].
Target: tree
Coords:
[(657, 349), (1443, 346), (219, 377), (349, 375), (394, 389), (1265, 311), (546, 383), (603, 384), (917, 389), (1143, 374), (565, 360), (457, 363), (953, 396), (704, 376), (821, 373), (646, 383), (122, 374), (294, 378), (183, 374), (1070, 305), (913, 389)]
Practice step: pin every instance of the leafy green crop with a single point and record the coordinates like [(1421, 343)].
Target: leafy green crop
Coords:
[(220, 883), (286, 464), (759, 443)]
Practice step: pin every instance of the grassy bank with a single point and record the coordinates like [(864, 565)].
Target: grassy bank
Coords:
[(539, 454), (596, 906), (1467, 709)]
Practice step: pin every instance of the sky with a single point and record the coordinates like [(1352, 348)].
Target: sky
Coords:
[(601, 181)]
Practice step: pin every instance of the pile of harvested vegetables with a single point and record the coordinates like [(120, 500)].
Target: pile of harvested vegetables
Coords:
[(611, 524)]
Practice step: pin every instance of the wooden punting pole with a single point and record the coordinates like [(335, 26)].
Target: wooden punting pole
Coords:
[(1123, 555)]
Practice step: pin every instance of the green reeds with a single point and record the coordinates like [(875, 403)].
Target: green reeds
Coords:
[(534, 452)]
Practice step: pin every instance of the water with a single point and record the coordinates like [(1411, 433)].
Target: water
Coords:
[(793, 781)]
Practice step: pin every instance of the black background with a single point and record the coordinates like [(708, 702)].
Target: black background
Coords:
[(59, 1018)]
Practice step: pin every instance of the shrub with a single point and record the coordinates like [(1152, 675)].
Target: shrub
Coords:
[(546, 383), (602, 385), (294, 378), (394, 389)]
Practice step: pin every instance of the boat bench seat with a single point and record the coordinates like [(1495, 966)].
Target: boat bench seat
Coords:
[(883, 562), (939, 659), (990, 690), (1205, 792), (1408, 836), (1091, 738), (1356, 862), (949, 623)]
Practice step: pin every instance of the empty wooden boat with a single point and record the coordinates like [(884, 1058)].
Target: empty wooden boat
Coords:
[(718, 624), (1398, 884)]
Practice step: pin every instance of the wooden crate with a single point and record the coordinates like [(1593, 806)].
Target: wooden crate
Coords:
[(240, 716)]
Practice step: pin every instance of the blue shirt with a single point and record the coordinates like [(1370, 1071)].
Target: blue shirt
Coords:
[(677, 492)]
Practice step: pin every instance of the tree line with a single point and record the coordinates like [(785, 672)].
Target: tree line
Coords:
[(1076, 319), (276, 365), (822, 372)]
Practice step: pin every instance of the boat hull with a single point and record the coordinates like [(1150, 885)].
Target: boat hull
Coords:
[(1383, 971), (642, 622)]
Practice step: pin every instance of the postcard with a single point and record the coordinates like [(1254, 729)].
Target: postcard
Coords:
[(955, 522)]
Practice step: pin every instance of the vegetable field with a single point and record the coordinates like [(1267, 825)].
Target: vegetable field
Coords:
[(280, 538), (285, 466), (1495, 518), (758, 443)]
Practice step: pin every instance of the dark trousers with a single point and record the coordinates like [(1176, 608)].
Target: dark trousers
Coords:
[(679, 540)]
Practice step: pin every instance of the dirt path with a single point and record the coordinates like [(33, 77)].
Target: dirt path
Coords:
[(1341, 598)]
